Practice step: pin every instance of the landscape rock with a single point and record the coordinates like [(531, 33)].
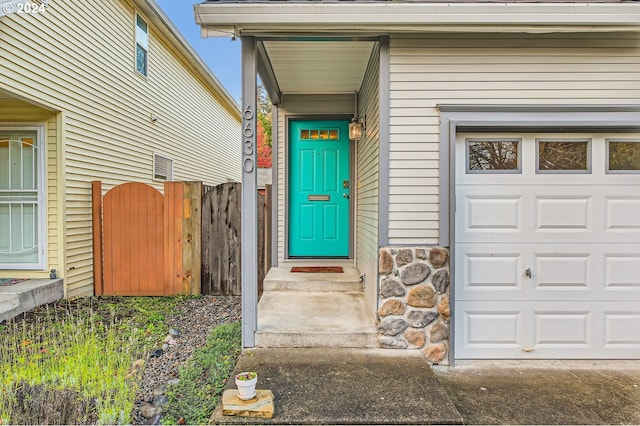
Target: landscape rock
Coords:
[(391, 288), (392, 326), (149, 410), (388, 342), (444, 310), (392, 307), (422, 296), (160, 400), (438, 257), (440, 281), (420, 319), (404, 257), (156, 353), (435, 353), (386, 262), (438, 332), (159, 390), (174, 332), (415, 337), (415, 273)]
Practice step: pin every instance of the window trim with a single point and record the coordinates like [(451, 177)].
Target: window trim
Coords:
[(155, 178), (618, 172), (140, 43), (41, 264), (586, 171)]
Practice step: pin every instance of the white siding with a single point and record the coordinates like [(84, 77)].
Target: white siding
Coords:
[(84, 66), (570, 69), (301, 105), (367, 160)]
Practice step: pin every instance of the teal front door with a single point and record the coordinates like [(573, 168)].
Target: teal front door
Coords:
[(319, 188)]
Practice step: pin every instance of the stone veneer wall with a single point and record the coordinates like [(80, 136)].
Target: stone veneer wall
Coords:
[(414, 300)]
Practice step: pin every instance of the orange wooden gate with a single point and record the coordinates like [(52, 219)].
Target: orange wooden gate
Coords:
[(139, 240)]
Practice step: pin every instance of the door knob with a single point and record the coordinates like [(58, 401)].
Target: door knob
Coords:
[(346, 196)]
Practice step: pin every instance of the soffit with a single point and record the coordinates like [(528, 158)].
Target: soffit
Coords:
[(319, 66)]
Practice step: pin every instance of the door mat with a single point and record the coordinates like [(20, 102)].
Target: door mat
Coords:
[(318, 269), (11, 281)]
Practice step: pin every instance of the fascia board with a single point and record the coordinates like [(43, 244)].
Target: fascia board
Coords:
[(412, 16)]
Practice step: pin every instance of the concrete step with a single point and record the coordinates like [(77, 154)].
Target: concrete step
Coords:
[(22, 297), (305, 319), (282, 279)]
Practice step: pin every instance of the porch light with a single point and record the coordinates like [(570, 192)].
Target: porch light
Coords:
[(356, 128)]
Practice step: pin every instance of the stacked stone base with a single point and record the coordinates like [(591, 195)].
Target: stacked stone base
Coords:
[(414, 301)]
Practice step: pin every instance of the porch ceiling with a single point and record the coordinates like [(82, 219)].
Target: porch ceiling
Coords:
[(318, 66)]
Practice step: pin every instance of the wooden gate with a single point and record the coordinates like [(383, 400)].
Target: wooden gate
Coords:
[(221, 213), (146, 243)]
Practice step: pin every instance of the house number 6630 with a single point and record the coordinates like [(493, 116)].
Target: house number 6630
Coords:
[(247, 136)]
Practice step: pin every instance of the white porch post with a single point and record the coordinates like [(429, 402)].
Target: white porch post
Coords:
[(249, 228)]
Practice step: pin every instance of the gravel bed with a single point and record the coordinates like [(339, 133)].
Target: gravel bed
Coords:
[(193, 322)]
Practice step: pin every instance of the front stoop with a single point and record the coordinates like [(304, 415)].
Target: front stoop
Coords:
[(22, 297), (299, 310)]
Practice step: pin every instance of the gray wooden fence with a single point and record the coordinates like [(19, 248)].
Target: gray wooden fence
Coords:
[(221, 238)]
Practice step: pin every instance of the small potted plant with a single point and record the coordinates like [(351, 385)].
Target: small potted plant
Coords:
[(246, 383)]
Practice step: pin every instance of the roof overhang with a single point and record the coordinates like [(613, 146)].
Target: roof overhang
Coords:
[(269, 18)]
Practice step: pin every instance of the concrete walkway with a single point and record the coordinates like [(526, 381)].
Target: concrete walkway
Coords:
[(545, 392), (346, 386)]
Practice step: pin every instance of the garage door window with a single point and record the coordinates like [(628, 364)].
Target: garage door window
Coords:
[(623, 156), (493, 156), (558, 156)]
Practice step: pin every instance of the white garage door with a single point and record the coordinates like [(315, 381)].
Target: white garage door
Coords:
[(547, 246)]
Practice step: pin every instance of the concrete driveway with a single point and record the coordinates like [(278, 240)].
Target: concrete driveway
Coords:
[(546, 392), (380, 386)]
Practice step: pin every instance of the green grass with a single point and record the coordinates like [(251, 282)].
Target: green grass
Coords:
[(76, 357), (202, 379)]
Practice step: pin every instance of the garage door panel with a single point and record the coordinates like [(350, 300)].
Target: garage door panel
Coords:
[(563, 271), (622, 272), (569, 213), (494, 213), (623, 214), (558, 272), (548, 214), (622, 330), (568, 330), (562, 329)]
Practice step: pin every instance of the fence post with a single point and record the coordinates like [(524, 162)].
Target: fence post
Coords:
[(173, 237), (96, 221), (192, 237)]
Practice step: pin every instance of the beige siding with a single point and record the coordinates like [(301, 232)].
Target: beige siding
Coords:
[(16, 111), (367, 160), (86, 51), (571, 69), (297, 105)]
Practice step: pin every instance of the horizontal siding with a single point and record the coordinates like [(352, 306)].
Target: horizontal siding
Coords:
[(296, 105), (427, 70), (367, 182), (109, 134)]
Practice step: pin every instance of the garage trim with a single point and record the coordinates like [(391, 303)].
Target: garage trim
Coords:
[(457, 118)]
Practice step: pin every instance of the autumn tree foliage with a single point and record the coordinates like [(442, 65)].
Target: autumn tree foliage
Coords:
[(264, 129), (264, 148)]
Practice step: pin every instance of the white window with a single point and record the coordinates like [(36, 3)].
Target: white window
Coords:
[(21, 199), (162, 167), (142, 45)]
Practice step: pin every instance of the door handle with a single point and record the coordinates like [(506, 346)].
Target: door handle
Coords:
[(345, 196), (527, 272)]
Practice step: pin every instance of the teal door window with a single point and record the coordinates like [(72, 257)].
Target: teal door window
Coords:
[(319, 188)]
